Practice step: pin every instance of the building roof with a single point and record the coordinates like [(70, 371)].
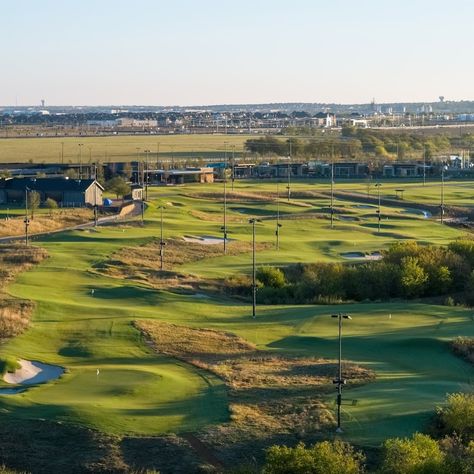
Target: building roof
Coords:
[(48, 184)]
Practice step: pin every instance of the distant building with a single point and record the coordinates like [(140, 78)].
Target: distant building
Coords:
[(136, 123), (405, 170), (66, 192)]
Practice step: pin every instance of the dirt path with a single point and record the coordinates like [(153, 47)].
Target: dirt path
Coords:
[(203, 451)]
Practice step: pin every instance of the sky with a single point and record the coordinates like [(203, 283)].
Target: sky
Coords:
[(196, 52)]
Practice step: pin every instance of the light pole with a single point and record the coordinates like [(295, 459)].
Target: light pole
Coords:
[(233, 167), (442, 193), (339, 381), (224, 227), (80, 159), (379, 215), (424, 164), (145, 179), (162, 242), (95, 195), (27, 219), (278, 225), (332, 195), (289, 171), (253, 221)]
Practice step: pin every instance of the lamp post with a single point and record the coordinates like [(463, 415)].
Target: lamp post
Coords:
[(233, 167), (162, 242), (27, 219), (424, 164), (339, 381), (95, 195), (253, 221), (379, 215)]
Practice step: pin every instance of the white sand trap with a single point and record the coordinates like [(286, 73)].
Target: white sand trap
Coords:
[(204, 239), (32, 372), (362, 256)]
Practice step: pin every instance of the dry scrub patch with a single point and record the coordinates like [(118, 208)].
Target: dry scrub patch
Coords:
[(464, 347), (143, 263), (215, 216), (15, 313), (271, 395), (58, 219)]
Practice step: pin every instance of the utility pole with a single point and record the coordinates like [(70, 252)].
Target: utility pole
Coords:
[(146, 174), (162, 242), (339, 381), (253, 221), (62, 153), (379, 215), (27, 219)]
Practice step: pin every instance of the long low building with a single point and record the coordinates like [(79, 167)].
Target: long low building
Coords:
[(66, 192)]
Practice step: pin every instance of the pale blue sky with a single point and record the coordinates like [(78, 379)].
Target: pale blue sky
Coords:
[(209, 52)]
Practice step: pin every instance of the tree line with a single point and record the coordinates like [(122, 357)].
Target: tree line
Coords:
[(407, 270)]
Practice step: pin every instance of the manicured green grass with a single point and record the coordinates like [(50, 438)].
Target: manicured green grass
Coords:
[(140, 392)]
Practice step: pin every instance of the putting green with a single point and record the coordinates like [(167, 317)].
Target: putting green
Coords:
[(137, 391)]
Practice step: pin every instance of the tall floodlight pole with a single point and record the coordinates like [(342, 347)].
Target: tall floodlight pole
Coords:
[(162, 242), (27, 219), (146, 174), (62, 153), (278, 225), (224, 227), (172, 157), (424, 164), (253, 221), (332, 194), (95, 195), (233, 167), (339, 381), (379, 215), (289, 171), (80, 159), (442, 194)]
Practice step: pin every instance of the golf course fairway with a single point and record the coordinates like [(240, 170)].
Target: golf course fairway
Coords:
[(116, 383)]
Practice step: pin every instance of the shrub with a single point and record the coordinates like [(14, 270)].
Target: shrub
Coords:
[(323, 458), (271, 276), (412, 277), (458, 414), (417, 455)]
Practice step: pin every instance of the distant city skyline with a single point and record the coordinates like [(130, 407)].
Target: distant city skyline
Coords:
[(147, 52)]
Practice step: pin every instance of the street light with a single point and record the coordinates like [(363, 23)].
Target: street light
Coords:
[(162, 242), (145, 179), (289, 171), (339, 381), (278, 225), (253, 221), (378, 186), (80, 145)]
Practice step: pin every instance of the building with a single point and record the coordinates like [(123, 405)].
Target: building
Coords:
[(345, 170), (66, 192), (406, 170)]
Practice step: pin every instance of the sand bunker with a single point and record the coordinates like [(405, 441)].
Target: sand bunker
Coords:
[(33, 372), (204, 239), (418, 212), (362, 255)]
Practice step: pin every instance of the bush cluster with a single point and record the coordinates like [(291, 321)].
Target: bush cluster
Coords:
[(407, 270)]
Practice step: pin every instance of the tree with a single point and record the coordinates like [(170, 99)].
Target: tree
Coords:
[(323, 458), (51, 204), (34, 201), (71, 173), (417, 455), (413, 277), (118, 186)]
